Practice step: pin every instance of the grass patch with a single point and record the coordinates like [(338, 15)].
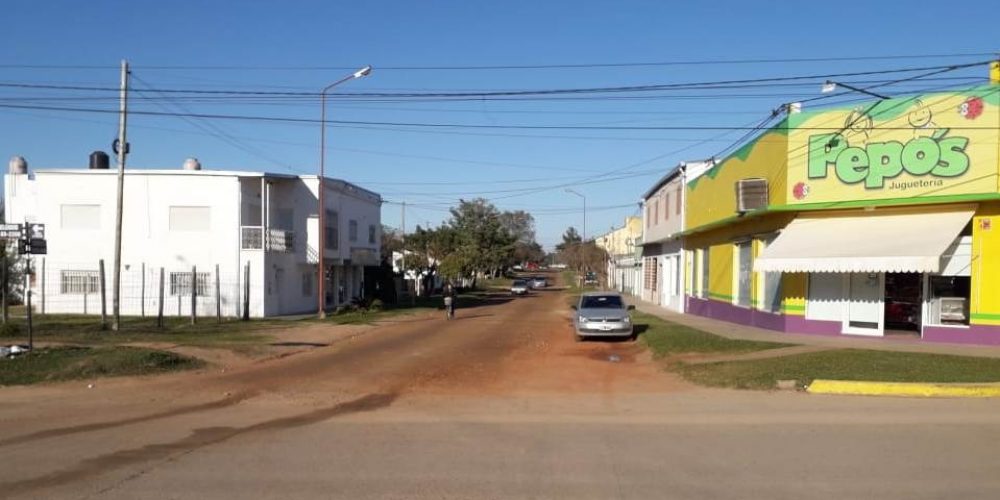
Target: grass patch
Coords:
[(421, 304), (86, 329), (665, 338), (844, 364), (72, 363)]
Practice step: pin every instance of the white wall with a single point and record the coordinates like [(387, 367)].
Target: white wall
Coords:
[(826, 297), (228, 200)]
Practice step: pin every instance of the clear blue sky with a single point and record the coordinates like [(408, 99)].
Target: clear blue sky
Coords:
[(488, 162)]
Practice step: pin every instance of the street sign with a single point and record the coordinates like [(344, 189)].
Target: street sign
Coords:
[(36, 231), (33, 246)]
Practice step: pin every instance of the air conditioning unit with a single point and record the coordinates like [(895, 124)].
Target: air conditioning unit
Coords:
[(751, 194)]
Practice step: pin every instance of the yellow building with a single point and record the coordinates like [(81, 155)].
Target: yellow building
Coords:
[(621, 244), (876, 219)]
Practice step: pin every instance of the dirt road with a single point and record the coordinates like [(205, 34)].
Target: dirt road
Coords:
[(499, 403)]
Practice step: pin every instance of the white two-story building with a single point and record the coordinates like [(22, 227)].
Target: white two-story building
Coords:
[(193, 222), (663, 215)]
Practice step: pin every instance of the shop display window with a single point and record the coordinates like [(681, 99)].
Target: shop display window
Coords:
[(948, 300), (744, 267)]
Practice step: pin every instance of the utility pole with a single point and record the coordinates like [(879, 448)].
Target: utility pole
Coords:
[(121, 149)]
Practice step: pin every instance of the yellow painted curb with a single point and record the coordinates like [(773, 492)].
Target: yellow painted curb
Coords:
[(904, 389)]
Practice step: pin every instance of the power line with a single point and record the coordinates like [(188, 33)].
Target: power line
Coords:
[(587, 65), (508, 93)]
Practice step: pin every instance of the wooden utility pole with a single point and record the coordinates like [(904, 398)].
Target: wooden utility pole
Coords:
[(121, 150)]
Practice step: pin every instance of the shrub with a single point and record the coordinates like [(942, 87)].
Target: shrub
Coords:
[(10, 330)]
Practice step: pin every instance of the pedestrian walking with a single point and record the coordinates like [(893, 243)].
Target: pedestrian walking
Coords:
[(449, 300)]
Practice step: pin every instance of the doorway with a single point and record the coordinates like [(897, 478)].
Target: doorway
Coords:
[(864, 313), (903, 304)]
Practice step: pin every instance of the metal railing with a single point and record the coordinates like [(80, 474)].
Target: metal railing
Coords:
[(277, 240)]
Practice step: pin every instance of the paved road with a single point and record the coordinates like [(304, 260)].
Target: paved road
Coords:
[(500, 403)]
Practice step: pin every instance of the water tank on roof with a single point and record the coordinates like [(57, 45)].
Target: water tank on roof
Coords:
[(17, 165), (192, 164), (99, 160)]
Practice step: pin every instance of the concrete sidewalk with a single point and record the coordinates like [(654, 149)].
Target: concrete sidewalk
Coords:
[(737, 331)]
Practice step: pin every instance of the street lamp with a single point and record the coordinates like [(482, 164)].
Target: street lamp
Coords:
[(582, 260), (321, 188)]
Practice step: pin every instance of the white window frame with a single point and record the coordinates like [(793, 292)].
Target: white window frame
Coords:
[(737, 270), (180, 284)]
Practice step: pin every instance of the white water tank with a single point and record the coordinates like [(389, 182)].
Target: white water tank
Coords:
[(17, 165), (192, 164)]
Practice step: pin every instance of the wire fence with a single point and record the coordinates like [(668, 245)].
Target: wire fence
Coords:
[(85, 288)]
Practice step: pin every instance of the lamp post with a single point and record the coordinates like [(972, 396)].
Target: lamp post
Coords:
[(583, 262), (321, 188)]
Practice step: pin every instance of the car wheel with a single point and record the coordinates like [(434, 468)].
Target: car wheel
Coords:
[(578, 338)]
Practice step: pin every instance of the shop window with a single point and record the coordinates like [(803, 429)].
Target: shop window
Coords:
[(948, 300), (744, 272)]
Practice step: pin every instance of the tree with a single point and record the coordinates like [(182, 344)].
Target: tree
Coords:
[(392, 241), (570, 239), (484, 246)]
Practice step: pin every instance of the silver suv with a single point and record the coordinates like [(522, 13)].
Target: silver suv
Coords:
[(602, 314)]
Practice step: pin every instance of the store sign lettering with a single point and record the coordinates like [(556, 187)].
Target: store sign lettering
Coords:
[(937, 156)]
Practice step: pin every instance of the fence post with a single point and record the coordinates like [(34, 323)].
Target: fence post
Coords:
[(246, 292), (104, 298), (142, 293), (194, 294), (31, 333), (43, 285), (159, 315), (3, 277), (218, 296)]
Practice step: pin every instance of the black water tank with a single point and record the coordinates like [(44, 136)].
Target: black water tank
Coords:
[(99, 160)]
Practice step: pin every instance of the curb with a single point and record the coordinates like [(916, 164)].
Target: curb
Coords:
[(863, 388)]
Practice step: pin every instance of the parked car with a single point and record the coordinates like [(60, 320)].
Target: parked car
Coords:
[(538, 282), (519, 287), (602, 314), (590, 278)]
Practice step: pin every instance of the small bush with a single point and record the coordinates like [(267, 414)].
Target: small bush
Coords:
[(10, 330), (376, 305)]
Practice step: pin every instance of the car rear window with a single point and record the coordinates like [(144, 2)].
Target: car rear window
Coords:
[(519, 283), (602, 302)]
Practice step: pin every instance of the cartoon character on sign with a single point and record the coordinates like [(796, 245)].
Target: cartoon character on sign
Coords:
[(971, 108), (800, 191), (858, 126), (921, 118)]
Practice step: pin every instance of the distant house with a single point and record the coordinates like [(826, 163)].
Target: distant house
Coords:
[(622, 245), (190, 223)]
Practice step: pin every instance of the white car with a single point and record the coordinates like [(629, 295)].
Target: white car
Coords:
[(519, 287)]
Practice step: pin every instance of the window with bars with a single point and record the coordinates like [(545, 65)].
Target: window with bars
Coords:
[(79, 282), (180, 284)]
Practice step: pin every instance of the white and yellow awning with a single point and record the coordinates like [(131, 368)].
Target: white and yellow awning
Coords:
[(864, 242)]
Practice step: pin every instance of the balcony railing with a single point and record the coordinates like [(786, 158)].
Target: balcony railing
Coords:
[(277, 240)]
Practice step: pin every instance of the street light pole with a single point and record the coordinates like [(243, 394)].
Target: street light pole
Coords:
[(321, 189), (583, 264)]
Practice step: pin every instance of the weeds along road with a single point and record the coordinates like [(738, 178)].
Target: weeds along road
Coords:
[(499, 403)]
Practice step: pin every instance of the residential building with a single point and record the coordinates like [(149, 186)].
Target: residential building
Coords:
[(623, 266), (861, 219), (663, 212), (191, 222)]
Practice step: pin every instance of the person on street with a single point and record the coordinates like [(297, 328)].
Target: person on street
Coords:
[(449, 300)]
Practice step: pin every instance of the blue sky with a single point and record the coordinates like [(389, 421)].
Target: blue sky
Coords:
[(277, 46)]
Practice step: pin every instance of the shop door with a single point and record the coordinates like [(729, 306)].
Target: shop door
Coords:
[(864, 311)]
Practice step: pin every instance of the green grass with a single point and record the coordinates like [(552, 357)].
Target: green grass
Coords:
[(86, 329), (72, 363), (844, 364), (421, 304), (664, 338)]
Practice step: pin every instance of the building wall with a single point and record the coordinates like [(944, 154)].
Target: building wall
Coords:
[(711, 197), (662, 212)]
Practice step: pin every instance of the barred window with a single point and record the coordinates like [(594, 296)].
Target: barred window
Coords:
[(180, 284), (79, 282)]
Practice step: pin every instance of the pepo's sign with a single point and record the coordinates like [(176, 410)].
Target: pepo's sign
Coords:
[(935, 145), (874, 162)]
